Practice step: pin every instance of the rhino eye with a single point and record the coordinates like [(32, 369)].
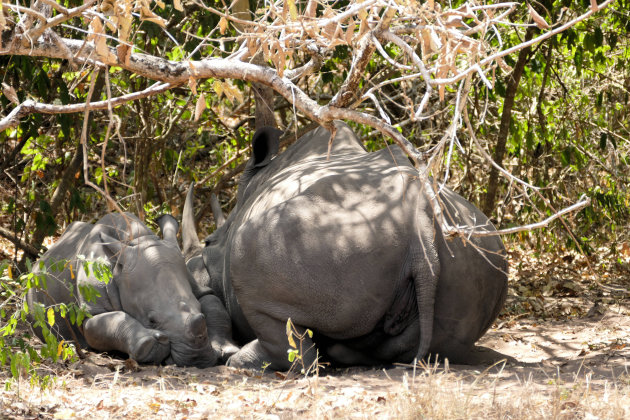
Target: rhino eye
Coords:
[(153, 323)]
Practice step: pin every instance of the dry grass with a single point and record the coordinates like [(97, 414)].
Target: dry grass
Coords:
[(92, 390)]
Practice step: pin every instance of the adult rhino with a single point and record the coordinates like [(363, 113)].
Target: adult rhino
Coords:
[(147, 310), (345, 243)]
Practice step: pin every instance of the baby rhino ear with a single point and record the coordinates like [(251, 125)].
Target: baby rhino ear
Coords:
[(113, 245), (118, 252)]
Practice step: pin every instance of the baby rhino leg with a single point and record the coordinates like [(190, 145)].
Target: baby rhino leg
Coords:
[(121, 332)]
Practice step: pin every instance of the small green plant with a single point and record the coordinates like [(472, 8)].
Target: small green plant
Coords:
[(22, 357), (296, 353)]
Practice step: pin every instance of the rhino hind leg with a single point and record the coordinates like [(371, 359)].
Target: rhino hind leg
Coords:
[(120, 332)]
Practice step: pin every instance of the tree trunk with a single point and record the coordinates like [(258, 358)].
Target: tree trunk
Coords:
[(504, 128)]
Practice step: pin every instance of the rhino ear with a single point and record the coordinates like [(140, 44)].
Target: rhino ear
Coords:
[(113, 245), (265, 145), (121, 253)]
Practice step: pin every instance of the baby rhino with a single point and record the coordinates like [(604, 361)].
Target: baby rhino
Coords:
[(147, 310)]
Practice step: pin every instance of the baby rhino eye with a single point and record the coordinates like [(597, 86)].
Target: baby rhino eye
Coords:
[(153, 322)]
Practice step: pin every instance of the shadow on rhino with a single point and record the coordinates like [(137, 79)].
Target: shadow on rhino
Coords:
[(347, 246)]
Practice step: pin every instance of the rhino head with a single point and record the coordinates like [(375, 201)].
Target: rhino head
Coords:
[(152, 285)]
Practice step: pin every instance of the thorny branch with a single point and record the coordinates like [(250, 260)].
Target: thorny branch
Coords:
[(438, 47)]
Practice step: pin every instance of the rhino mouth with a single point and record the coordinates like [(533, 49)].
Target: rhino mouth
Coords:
[(182, 354)]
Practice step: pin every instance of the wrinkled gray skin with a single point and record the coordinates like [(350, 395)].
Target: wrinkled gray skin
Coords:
[(148, 310), (347, 246)]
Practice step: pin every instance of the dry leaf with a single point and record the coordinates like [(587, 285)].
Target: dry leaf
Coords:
[(232, 92), (293, 13), (9, 92), (100, 42), (200, 106), (160, 4), (350, 32), (124, 53), (148, 15), (594, 6), (177, 4), (192, 84), (124, 27), (311, 9), (453, 21), (223, 25), (107, 7), (252, 46), (218, 88), (539, 20)]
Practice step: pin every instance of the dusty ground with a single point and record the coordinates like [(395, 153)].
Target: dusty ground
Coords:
[(566, 324)]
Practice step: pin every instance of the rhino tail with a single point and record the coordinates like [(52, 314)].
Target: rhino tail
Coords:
[(190, 240), (425, 269)]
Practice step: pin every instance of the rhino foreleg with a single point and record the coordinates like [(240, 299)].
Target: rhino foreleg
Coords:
[(219, 326), (120, 332)]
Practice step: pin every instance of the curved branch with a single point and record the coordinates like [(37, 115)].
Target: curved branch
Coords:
[(29, 107)]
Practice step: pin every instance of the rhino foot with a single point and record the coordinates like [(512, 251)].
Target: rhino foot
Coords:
[(224, 349), (151, 348)]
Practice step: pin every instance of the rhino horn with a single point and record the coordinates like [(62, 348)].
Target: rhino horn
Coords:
[(168, 227), (197, 325), (190, 239), (219, 218)]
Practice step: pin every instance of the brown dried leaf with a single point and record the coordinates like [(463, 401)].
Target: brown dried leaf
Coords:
[(232, 92), (350, 32), (192, 84), (200, 106), (538, 20), (10, 93), (124, 27), (148, 15), (453, 21), (177, 4), (124, 53), (594, 6), (107, 7), (311, 9), (223, 25)]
